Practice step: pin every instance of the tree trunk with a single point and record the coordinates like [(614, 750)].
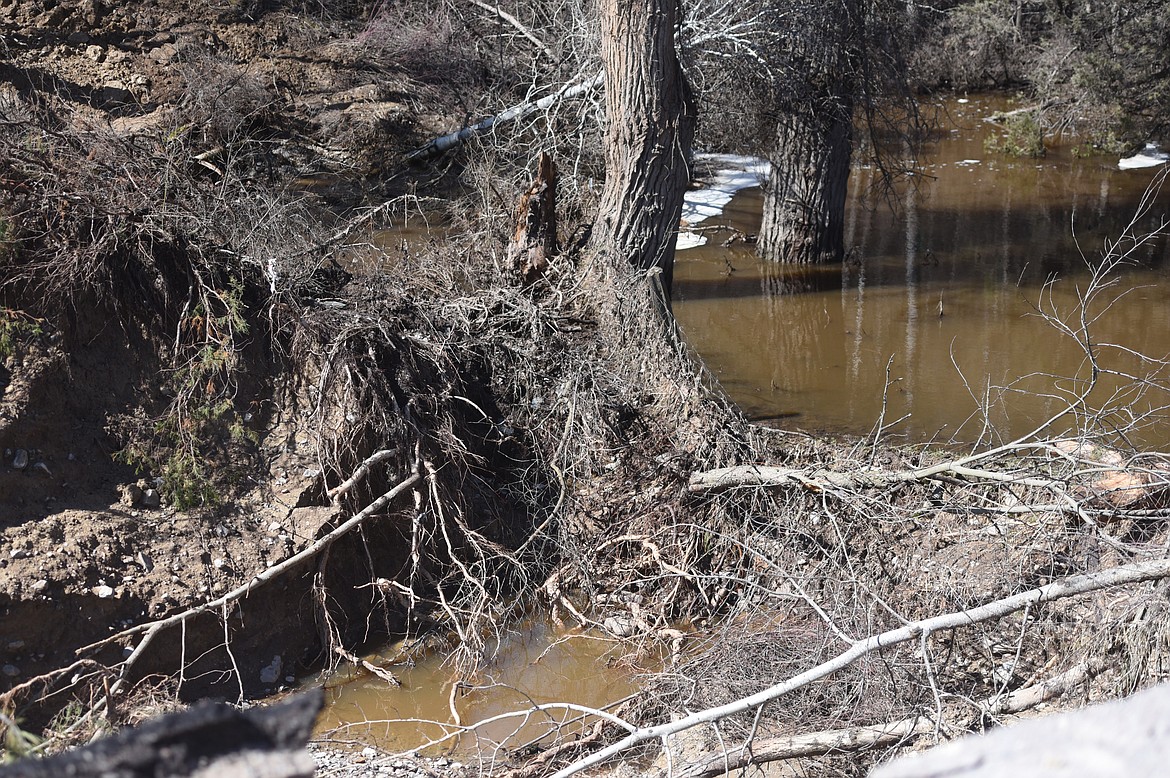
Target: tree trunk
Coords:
[(651, 116), (804, 199)]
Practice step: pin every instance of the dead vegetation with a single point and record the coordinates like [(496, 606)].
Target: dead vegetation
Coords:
[(482, 447)]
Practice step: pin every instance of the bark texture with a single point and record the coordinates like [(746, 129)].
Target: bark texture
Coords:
[(534, 242), (651, 116), (804, 199)]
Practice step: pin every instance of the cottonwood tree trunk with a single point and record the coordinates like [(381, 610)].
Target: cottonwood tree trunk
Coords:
[(651, 122), (804, 199)]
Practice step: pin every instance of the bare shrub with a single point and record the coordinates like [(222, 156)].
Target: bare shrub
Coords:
[(187, 256)]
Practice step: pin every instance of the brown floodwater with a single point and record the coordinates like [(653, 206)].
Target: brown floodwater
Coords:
[(936, 314), (533, 663)]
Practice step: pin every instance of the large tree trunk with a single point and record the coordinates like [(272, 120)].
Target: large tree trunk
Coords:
[(650, 110), (804, 199)]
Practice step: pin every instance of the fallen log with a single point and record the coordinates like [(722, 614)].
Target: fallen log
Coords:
[(208, 739), (888, 734)]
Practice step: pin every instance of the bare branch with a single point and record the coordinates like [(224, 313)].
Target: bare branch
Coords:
[(1057, 590)]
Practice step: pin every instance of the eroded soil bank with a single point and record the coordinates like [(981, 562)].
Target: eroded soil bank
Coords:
[(161, 444)]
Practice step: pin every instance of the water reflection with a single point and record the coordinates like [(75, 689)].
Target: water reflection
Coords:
[(946, 290)]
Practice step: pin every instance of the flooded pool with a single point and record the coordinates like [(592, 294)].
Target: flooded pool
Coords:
[(934, 323), (534, 663)]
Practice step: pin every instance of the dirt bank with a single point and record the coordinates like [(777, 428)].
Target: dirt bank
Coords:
[(158, 448)]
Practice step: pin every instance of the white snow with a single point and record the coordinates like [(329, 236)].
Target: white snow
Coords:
[(732, 173), (688, 240), (1151, 156)]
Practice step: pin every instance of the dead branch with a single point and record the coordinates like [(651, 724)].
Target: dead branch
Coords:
[(512, 20), (822, 479), (369, 667), (891, 733), (361, 472), (515, 113), (1057, 590)]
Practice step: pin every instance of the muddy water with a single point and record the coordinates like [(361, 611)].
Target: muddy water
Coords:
[(934, 316), (534, 663)]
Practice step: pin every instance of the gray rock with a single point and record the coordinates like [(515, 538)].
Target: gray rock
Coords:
[(20, 459), (151, 499), (10, 670), (1121, 739), (619, 626), (271, 673)]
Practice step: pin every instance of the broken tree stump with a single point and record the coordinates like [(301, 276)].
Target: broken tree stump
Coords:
[(534, 243)]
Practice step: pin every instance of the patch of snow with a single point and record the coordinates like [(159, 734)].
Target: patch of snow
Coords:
[(689, 240), (1151, 156), (962, 100), (733, 172)]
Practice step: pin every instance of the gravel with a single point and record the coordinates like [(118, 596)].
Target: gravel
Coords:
[(370, 763)]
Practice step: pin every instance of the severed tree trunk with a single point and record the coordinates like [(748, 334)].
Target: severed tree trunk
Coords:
[(804, 199), (651, 116), (534, 243)]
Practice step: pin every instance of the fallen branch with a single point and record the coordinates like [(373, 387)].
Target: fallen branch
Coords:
[(512, 20), (1057, 590), (154, 627), (515, 113), (361, 472), (892, 733), (822, 479), (369, 667)]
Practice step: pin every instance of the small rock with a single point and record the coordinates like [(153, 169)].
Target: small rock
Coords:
[(369, 753), (18, 553), (164, 53), (95, 52), (144, 561), (104, 592), (39, 586), (20, 459), (41, 467), (15, 645), (619, 626), (151, 498), (271, 673), (78, 37), (131, 494), (219, 563), (10, 670), (275, 528)]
